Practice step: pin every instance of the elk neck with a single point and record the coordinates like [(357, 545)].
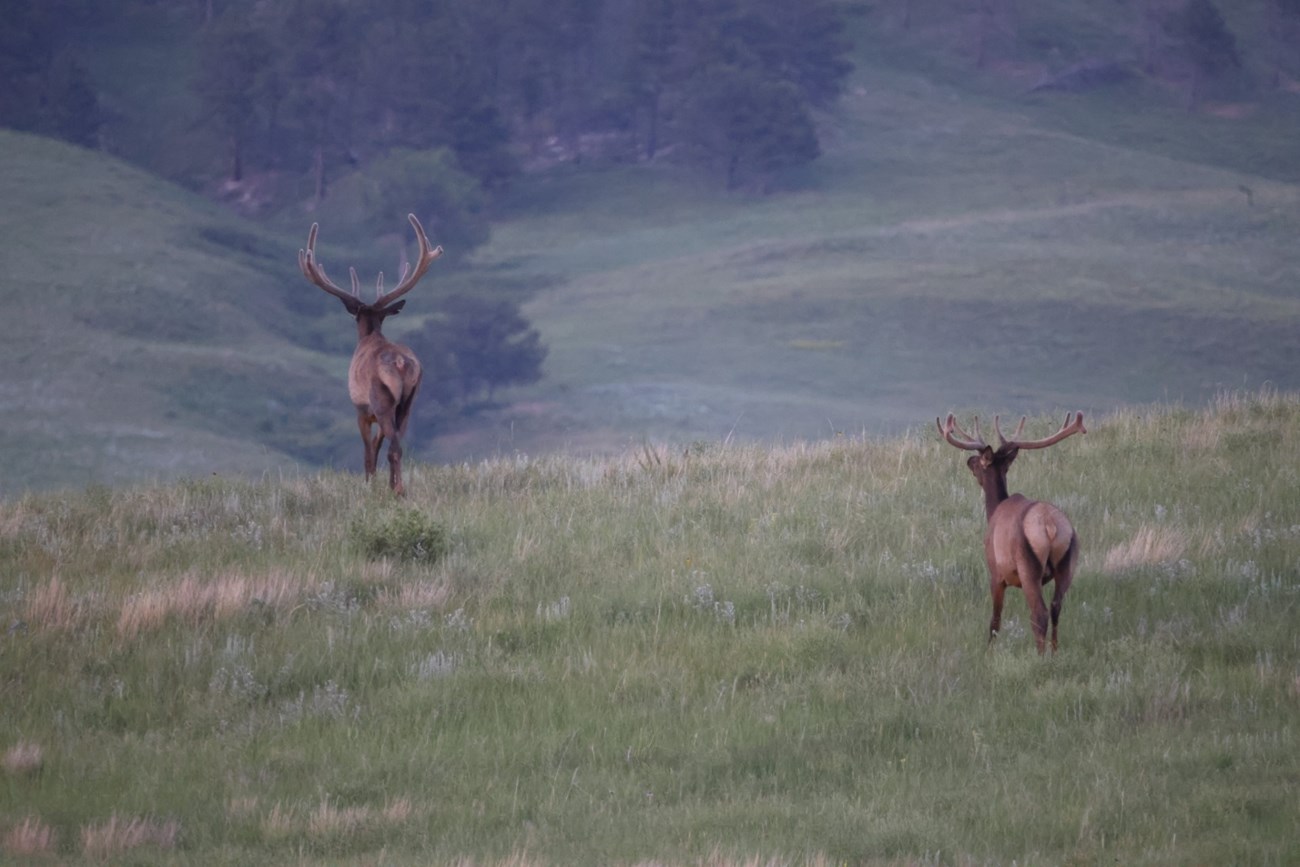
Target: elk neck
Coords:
[(369, 322), (994, 483)]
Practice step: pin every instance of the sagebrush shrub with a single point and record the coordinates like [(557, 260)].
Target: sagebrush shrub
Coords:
[(402, 533)]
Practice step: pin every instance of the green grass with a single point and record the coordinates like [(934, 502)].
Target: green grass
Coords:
[(728, 654)]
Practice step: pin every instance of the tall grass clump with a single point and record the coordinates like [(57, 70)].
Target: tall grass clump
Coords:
[(718, 655)]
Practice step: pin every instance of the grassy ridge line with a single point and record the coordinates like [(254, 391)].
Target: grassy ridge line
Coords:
[(728, 654)]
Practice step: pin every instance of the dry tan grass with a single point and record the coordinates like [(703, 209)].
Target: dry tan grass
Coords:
[(51, 606), (120, 834), (30, 838), (715, 859), (1148, 546), (416, 595), (195, 599), (331, 820), (23, 759)]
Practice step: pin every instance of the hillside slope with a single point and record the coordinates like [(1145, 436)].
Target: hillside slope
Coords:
[(951, 249), (146, 331)]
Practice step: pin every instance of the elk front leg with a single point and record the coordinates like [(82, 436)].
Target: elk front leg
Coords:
[(366, 421)]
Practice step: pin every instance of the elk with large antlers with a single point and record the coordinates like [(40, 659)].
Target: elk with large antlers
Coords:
[(1028, 542), (384, 377)]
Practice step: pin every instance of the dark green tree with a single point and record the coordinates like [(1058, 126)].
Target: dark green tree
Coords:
[(235, 81), (71, 105), (45, 88), (747, 127), (319, 50), (450, 203), (479, 346)]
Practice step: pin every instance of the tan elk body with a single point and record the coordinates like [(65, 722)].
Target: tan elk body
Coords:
[(384, 377), (1028, 543)]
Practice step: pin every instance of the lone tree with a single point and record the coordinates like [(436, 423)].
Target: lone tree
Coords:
[(481, 346)]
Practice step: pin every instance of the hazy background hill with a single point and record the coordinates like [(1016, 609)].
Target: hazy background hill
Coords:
[(963, 239)]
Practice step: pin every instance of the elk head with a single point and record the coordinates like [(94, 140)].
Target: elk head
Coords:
[(384, 377), (1028, 542)]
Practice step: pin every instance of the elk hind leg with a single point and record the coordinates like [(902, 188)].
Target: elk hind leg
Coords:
[(1037, 611), (365, 421), (998, 590), (395, 466), (1064, 575)]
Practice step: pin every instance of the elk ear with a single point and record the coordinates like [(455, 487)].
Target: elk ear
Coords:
[(352, 304), (985, 457), (394, 309)]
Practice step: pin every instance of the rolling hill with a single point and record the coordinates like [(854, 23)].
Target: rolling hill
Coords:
[(141, 343)]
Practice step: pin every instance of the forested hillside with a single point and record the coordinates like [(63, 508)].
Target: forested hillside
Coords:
[(664, 220)]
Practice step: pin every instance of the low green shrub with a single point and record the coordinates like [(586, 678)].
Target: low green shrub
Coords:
[(404, 533)]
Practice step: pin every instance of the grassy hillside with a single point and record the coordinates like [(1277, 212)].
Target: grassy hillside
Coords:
[(149, 332), (730, 655), (952, 248)]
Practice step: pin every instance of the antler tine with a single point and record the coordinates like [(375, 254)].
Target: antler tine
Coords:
[(356, 284), (379, 286), (312, 269), (1015, 436), (425, 259), (953, 433), (1069, 427)]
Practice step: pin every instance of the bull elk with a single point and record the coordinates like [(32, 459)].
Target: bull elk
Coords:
[(384, 377), (1028, 542)]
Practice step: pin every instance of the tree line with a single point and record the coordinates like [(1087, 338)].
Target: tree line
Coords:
[(328, 84), (318, 88)]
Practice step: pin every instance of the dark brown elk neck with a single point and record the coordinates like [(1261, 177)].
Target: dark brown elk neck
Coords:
[(994, 484), (368, 323)]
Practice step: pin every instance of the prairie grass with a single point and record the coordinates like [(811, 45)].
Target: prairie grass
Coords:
[(718, 654)]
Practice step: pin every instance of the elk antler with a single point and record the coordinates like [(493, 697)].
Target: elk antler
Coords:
[(1068, 428), (952, 432), (425, 259), (313, 271)]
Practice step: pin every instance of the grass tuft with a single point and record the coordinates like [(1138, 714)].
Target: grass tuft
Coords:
[(23, 759), (1150, 545), (120, 835), (30, 838)]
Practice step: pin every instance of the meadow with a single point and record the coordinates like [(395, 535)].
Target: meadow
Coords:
[(723, 653)]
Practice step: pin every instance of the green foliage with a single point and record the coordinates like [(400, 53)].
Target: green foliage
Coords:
[(402, 533), (734, 655), (1210, 44), (475, 345), (236, 81), (450, 204), (747, 126), (48, 88)]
